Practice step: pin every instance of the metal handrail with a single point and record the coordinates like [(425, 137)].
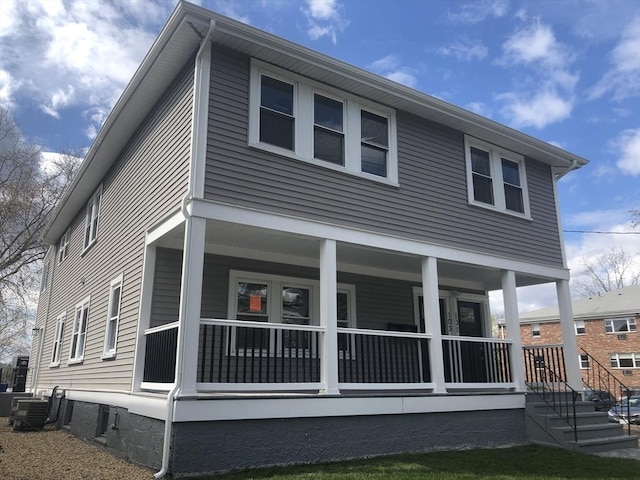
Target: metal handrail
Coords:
[(608, 382), (552, 389)]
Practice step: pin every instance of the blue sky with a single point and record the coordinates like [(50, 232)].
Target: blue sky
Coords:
[(564, 71)]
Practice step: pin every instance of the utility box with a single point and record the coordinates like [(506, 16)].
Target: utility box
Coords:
[(19, 374)]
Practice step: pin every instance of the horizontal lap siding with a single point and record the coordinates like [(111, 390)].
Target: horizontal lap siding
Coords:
[(145, 185), (429, 205)]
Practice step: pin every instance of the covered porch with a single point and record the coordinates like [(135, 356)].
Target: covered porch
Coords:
[(232, 308)]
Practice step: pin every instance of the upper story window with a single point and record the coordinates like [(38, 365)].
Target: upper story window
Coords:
[(583, 361), (57, 340), (113, 318), (91, 218), (579, 326), (296, 117), (625, 360), (79, 334), (45, 277), (618, 325), (535, 329), (63, 248), (496, 178)]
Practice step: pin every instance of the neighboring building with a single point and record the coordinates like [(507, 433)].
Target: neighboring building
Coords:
[(247, 246), (606, 328)]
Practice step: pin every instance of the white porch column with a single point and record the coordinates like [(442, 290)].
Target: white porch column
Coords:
[(431, 306), (190, 304), (512, 321), (328, 316), (568, 335)]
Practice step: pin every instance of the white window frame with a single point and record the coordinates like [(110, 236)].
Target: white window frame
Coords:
[(109, 351), (579, 325), (583, 361), (45, 277), (496, 154), (631, 325), (92, 219), (63, 249), (615, 359), (78, 336), (535, 330), (304, 91), (275, 283), (56, 352)]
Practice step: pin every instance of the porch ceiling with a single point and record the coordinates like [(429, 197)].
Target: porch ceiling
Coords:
[(246, 241)]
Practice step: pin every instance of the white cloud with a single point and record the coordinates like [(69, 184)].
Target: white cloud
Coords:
[(535, 43), (75, 53), (622, 80), (403, 77), (230, 9), (465, 50), (479, 10), (628, 146), (479, 108), (8, 86), (385, 63), (390, 67), (324, 18), (537, 110)]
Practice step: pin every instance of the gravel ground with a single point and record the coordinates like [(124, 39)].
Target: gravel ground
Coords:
[(56, 454)]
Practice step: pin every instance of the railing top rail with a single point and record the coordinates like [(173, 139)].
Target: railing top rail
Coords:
[(533, 347), (266, 325), (615, 379), (383, 333), (160, 328), (456, 338)]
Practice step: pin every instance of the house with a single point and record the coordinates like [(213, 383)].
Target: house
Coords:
[(269, 256), (606, 330)]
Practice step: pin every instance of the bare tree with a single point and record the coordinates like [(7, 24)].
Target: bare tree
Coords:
[(635, 218), (610, 271), (29, 190)]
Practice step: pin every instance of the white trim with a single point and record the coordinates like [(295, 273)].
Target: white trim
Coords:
[(63, 246), (272, 221), (56, 352), (192, 410), (158, 231), (303, 91), (144, 314), (512, 321), (144, 404), (77, 322), (259, 387), (92, 220), (116, 283), (496, 154), (565, 309), (328, 318)]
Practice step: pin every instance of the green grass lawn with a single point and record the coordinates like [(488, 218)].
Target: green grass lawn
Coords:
[(520, 463)]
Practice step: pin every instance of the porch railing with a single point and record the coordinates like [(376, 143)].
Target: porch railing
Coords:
[(160, 353), (476, 360), (539, 361)]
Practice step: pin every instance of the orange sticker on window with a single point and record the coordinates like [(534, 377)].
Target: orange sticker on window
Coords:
[(255, 303)]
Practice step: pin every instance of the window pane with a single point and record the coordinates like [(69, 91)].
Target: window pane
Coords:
[(115, 302), (276, 129), (513, 198), (343, 310), (374, 160), (328, 113), (295, 303), (483, 189), (480, 162), (625, 362), (510, 172), (252, 298), (374, 129), (277, 95), (328, 146)]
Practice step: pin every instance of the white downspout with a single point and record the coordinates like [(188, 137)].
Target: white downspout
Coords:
[(168, 424)]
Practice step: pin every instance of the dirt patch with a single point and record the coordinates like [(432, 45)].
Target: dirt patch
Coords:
[(57, 454)]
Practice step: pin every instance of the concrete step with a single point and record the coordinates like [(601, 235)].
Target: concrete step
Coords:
[(589, 432), (605, 444), (541, 407), (552, 420)]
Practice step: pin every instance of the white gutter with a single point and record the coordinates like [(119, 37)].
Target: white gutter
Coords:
[(574, 164), (195, 150)]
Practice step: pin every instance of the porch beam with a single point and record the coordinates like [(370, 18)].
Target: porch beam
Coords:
[(328, 317), (568, 335), (431, 305), (512, 320), (190, 305)]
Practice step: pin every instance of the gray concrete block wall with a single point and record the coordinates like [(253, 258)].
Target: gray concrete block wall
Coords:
[(211, 447)]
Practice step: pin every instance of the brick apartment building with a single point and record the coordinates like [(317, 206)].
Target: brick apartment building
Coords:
[(606, 327)]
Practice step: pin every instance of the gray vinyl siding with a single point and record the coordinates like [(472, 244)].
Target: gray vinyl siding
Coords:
[(145, 185), (429, 205), (379, 301)]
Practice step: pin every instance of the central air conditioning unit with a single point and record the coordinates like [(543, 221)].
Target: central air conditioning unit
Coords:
[(14, 407), (31, 414)]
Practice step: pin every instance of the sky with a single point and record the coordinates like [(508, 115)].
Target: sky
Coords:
[(564, 71)]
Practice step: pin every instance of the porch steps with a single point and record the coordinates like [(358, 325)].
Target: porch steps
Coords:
[(594, 431)]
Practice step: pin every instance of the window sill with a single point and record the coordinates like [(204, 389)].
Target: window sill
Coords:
[(88, 247), (54, 365), (320, 163), (109, 356), (75, 361), (492, 208)]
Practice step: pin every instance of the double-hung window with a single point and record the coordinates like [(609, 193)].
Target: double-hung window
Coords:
[(63, 249), (579, 327), (620, 325), (57, 340), (496, 178), (583, 360), (91, 218), (113, 318), (625, 360), (296, 117), (45, 277), (535, 329), (79, 334)]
